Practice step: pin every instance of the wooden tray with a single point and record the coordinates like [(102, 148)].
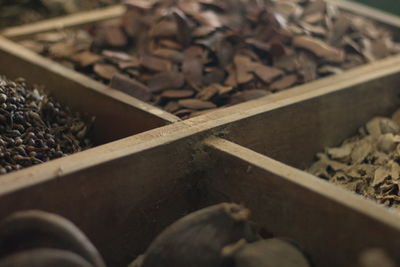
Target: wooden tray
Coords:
[(122, 193)]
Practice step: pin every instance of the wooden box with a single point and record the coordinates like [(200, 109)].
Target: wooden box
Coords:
[(151, 168)]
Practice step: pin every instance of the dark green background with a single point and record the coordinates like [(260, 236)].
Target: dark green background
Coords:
[(392, 6)]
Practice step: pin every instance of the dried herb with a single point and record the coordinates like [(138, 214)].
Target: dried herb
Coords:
[(243, 46), (367, 163), (35, 128)]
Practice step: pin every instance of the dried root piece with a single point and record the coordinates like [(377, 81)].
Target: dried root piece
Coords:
[(265, 253), (197, 239), (35, 228), (44, 257)]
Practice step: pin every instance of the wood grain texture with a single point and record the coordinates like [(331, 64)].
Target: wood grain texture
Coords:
[(366, 11), (64, 22)]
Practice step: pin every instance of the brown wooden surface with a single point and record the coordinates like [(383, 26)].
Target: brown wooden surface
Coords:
[(332, 225), (121, 204), (118, 115), (367, 11), (64, 22)]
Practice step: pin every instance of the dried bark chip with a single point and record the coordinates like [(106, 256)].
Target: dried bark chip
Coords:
[(222, 90), (130, 86), (327, 69), (164, 28), (258, 44), (208, 18), (62, 50), (85, 58), (116, 55), (203, 31), (184, 34), (284, 83), (288, 9), (172, 106), (307, 67), (170, 54), (50, 37), (170, 44), (380, 48), (314, 29), (192, 69), (207, 92), (214, 76), (288, 63), (166, 80), (339, 29), (313, 18), (196, 104), (105, 71), (319, 48), (177, 94), (134, 63), (266, 73), (36, 47), (155, 64), (243, 65), (314, 7), (189, 7), (114, 36), (231, 78)]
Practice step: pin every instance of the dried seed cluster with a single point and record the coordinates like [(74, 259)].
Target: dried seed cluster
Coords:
[(16, 12), (34, 128), (369, 163), (191, 56)]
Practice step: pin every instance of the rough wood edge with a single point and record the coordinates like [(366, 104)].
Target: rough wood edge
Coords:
[(51, 66), (214, 122), (77, 19), (306, 180), (300, 93), (366, 11)]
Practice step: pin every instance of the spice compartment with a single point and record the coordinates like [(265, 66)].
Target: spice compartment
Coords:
[(26, 31), (112, 109), (121, 201)]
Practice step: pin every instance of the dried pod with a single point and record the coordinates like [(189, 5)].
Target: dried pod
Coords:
[(44, 257), (197, 239), (265, 253), (27, 228)]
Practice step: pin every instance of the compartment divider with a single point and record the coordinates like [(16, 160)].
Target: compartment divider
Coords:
[(64, 22)]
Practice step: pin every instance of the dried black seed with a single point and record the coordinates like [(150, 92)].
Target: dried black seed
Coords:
[(34, 128)]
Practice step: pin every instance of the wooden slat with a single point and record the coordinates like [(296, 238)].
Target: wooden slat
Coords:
[(69, 21), (367, 11), (332, 225), (120, 204)]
